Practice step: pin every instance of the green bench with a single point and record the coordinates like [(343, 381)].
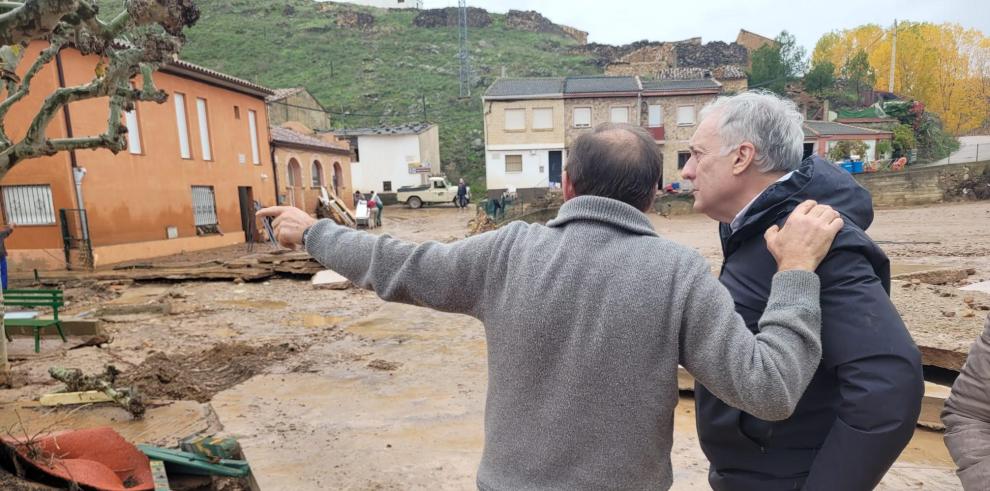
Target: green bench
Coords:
[(31, 299)]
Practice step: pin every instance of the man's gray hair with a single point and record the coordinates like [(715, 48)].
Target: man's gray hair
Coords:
[(772, 124)]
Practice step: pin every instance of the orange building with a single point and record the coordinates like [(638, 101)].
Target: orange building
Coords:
[(306, 163), (187, 181)]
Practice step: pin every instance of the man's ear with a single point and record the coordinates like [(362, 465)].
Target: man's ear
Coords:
[(745, 156), (569, 192)]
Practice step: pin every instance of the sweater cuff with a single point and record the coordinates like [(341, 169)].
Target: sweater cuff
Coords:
[(318, 237), (797, 288)]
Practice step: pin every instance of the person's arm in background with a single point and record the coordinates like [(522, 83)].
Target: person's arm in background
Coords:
[(6, 231), (764, 374), (967, 416), (878, 369), (448, 277)]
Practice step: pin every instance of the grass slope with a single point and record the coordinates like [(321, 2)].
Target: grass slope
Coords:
[(379, 74)]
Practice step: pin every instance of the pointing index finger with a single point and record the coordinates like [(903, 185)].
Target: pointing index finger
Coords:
[(271, 211)]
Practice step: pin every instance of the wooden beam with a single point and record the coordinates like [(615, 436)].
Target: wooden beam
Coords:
[(70, 398)]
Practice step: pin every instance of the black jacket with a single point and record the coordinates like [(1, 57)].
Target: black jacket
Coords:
[(861, 407)]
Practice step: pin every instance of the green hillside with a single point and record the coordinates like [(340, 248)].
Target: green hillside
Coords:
[(378, 74)]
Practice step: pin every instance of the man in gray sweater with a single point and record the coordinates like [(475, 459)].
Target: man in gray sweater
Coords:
[(587, 318)]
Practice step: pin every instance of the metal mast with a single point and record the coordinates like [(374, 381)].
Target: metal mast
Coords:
[(465, 71)]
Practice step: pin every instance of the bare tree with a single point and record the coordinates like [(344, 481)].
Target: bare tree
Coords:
[(132, 42)]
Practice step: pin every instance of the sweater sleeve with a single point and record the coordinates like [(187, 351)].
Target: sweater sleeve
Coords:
[(967, 416), (763, 374), (447, 277)]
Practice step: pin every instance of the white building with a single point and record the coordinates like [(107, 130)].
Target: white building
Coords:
[(384, 4), (389, 157)]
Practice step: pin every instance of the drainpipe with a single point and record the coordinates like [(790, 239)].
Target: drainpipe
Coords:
[(78, 173)]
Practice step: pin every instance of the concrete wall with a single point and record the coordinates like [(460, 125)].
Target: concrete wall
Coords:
[(386, 158), (429, 148), (291, 109), (496, 134), (536, 167), (132, 198), (918, 186)]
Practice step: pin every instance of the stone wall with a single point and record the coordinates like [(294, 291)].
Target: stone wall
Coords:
[(530, 20), (921, 186), (352, 19), (711, 54), (449, 17)]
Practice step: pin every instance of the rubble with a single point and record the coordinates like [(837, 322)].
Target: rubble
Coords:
[(936, 276), (330, 280)]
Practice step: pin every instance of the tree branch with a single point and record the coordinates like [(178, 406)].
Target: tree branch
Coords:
[(24, 87), (34, 19)]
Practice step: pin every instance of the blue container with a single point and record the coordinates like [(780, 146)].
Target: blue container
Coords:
[(857, 167), (848, 166)]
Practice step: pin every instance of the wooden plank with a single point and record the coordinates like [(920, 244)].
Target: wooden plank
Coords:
[(159, 475), (931, 406), (684, 379), (70, 398)]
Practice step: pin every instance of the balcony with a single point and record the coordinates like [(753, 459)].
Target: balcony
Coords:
[(657, 133)]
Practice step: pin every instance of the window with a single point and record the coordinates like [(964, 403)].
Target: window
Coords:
[(685, 115), (237, 112), (439, 185), (317, 172), (133, 132), (543, 118), (619, 115), (582, 117), (29, 205), (204, 129), (655, 116), (513, 163), (204, 210), (386, 186), (515, 119), (682, 159), (182, 125), (253, 124)]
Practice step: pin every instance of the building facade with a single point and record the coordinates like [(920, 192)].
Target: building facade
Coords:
[(307, 164), (526, 154), (297, 105), (389, 157), (821, 136), (187, 181)]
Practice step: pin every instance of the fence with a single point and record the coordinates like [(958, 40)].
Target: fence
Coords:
[(975, 152)]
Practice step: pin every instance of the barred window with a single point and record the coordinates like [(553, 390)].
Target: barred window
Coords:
[(204, 208), (29, 205)]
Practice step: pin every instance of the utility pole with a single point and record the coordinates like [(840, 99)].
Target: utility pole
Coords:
[(465, 72), (893, 60)]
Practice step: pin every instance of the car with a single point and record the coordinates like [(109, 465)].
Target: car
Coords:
[(436, 190)]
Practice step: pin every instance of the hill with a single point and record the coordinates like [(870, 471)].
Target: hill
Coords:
[(371, 66)]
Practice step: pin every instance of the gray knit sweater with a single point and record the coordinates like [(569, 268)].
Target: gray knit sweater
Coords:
[(586, 320)]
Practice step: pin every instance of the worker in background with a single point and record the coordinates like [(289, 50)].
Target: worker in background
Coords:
[(357, 197), (967, 417), (376, 201), (4, 233), (588, 316), (462, 191), (860, 409)]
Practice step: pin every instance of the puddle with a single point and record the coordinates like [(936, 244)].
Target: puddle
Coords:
[(317, 320), (256, 304)]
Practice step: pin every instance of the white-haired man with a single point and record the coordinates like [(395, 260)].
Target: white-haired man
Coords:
[(860, 409)]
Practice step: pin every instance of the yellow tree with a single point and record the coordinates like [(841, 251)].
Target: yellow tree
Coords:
[(936, 64)]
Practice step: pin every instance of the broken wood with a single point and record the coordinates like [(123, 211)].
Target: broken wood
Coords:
[(70, 398), (931, 406), (75, 381)]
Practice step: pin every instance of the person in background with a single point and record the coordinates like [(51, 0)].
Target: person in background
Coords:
[(462, 191), (357, 197), (4, 233), (378, 205), (967, 416)]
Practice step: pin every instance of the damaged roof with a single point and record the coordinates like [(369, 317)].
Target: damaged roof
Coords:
[(286, 137), (600, 84), (525, 87), (831, 128), (402, 129)]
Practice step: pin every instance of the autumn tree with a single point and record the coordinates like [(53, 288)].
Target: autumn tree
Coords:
[(132, 42), (945, 66)]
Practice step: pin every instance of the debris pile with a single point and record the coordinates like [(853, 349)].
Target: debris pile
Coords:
[(76, 381), (481, 224)]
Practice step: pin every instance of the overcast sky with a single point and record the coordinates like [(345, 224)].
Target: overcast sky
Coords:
[(625, 21)]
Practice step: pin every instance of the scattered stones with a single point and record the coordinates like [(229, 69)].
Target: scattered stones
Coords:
[(387, 366), (330, 280), (948, 313), (969, 313)]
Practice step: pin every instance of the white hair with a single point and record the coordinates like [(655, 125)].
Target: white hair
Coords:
[(771, 123)]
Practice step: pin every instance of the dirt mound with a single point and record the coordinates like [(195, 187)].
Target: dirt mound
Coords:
[(199, 376)]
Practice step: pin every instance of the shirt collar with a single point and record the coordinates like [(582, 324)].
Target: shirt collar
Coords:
[(737, 221)]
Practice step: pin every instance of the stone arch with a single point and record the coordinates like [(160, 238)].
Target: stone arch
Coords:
[(316, 171), (338, 176)]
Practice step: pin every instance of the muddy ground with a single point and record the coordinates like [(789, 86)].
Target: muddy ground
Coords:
[(340, 390)]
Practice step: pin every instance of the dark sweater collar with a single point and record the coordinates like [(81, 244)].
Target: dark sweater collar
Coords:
[(604, 210)]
